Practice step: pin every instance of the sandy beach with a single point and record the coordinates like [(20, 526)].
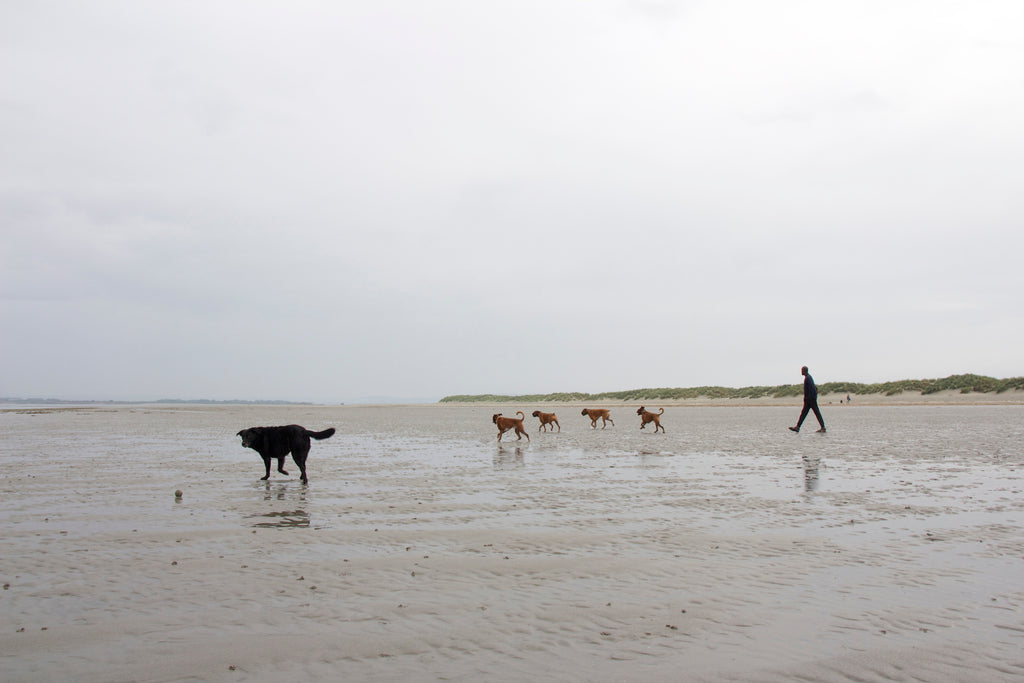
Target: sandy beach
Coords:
[(728, 548)]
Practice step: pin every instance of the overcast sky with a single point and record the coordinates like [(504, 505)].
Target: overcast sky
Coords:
[(341, 201)]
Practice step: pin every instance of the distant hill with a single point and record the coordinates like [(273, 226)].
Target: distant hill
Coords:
[(200, 401), (965, 384)]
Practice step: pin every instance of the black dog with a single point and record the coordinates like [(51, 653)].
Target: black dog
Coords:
[(277, 442)]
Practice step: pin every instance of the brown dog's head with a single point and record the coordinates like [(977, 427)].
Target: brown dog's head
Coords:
[(536, 413), (641, 410), (585, 412), (495, 417)]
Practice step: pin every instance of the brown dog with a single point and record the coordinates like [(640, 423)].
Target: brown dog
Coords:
[(595, 413), (546, 419), (647, 416), (507, 423)]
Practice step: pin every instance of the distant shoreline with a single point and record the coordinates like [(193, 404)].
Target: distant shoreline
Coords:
[(832, 400), (942, 398), (967, 389), (162, 401), (967, 384)]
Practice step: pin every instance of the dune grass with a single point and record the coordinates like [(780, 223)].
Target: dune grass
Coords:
[(965, 384)]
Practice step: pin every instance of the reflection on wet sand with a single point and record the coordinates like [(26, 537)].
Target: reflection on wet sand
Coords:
[(504, 459), (283, 491), (280, 491), (811, 464), (282, 520)]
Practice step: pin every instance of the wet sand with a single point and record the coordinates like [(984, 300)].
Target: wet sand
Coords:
[(891, 548)]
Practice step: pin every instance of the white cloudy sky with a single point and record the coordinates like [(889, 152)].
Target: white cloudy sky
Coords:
[(333, 201)]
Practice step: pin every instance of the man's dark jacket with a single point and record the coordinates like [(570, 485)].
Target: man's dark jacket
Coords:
[(810, 391)]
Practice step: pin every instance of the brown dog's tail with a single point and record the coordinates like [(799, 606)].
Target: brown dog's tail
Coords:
[(520, 414), (662, 412), (326, 434)]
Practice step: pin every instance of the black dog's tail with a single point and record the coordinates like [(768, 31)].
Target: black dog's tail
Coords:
[(327, 433)]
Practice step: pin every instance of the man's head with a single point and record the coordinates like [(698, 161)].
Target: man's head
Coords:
[(803, 370)]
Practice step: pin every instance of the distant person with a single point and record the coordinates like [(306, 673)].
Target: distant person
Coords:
[(810, 401)]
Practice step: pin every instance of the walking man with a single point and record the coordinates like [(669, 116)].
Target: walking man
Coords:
[(810, 401)]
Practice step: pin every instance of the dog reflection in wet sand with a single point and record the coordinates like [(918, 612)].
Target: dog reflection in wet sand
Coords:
[(598, 413), (507, 423), (546, 420), (503, 459)]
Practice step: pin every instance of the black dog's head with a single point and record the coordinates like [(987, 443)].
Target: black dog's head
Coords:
[(249, 436)]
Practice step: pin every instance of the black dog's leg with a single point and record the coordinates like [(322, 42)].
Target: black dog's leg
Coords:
[(280, 466), (266, 461), (300, 459)]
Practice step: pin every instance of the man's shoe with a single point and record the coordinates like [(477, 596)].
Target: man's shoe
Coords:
[(794, 429), (821, 431)]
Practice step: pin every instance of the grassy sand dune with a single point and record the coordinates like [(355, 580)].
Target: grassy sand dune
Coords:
[(964, 384)]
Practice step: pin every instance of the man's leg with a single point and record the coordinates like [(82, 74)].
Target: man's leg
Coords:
[(803, 414), (817, 414)]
